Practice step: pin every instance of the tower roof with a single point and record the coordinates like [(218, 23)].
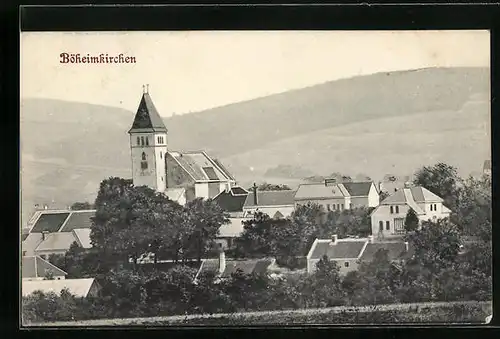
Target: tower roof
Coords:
[(147, 118)]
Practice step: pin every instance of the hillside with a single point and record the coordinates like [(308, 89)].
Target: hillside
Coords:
[(373, 124)]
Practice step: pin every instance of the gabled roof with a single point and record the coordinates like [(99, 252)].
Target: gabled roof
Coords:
[(318, 191), (233, 229), (77, 287), (36, 267), (341, 249), (31, 242), (147, 118), (270, 198), (200, 166), (78, 219), (82, 236), (50, 221), (395, 250), (419, 194), (57, 241), (358, 189), (233, 200)]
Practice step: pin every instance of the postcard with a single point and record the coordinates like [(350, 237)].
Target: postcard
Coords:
[(255, 178)]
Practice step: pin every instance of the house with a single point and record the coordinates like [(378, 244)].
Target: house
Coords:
[(36, 268), (276, 204), (166, 171), (230, 231), (45, 243), (78, 287), (349, 253), (487, 167), (333, 196), (231, 200), (389, 217), (221, 268), (60, 220), (346, 252)]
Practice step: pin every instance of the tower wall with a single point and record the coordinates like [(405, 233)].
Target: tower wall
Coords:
[(149, 170)]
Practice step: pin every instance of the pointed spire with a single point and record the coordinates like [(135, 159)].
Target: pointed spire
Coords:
[(147, 118)]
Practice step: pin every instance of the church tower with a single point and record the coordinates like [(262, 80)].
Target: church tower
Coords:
[(148, 146)]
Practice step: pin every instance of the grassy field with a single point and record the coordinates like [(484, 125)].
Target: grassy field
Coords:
[(423, 313)]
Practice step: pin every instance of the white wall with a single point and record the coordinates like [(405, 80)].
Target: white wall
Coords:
[(383, 213), (326, 202), (373, 197), (353, 265), (154, 176), (201, 190)]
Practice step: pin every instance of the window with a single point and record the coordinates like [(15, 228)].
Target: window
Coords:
[(392, 210), (397, 209), (387, 225), (350, 205), (328, 207), (161, 178), (138, 141), (381, 225), (142, 141), (143, 156), (161, 155), (159, 140), (341, 206), (144, 165), (346, 264), (147, 141), (435, 207)]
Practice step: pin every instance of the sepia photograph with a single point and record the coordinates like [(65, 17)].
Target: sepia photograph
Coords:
[(241, 178)]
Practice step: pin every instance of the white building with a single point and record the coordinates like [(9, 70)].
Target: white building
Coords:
[(388, 218), (182, 176), (341, 196)]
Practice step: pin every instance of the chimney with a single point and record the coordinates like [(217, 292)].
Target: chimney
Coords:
[(222, 260), (406, 246), (407, 184), (255, 200), (370, 239), (45, 207), (334, 238), (44, 234)]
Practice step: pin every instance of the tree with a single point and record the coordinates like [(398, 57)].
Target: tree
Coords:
[(411, 221), (82, 206), (204, 218), (436, 244), (132, 221), (271, 187), (441, 179), (326, 283)]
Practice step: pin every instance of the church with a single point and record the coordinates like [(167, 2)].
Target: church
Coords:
[(181, 176)]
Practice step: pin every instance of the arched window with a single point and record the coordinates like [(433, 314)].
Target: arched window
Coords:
[(161, 155), (381, 225), (138, 141), (142, 141), (143, 156), (397, 209), (147, 141), (387, 225), (392, 209)]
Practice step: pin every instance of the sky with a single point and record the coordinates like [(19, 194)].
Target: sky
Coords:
[(189, 71)]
